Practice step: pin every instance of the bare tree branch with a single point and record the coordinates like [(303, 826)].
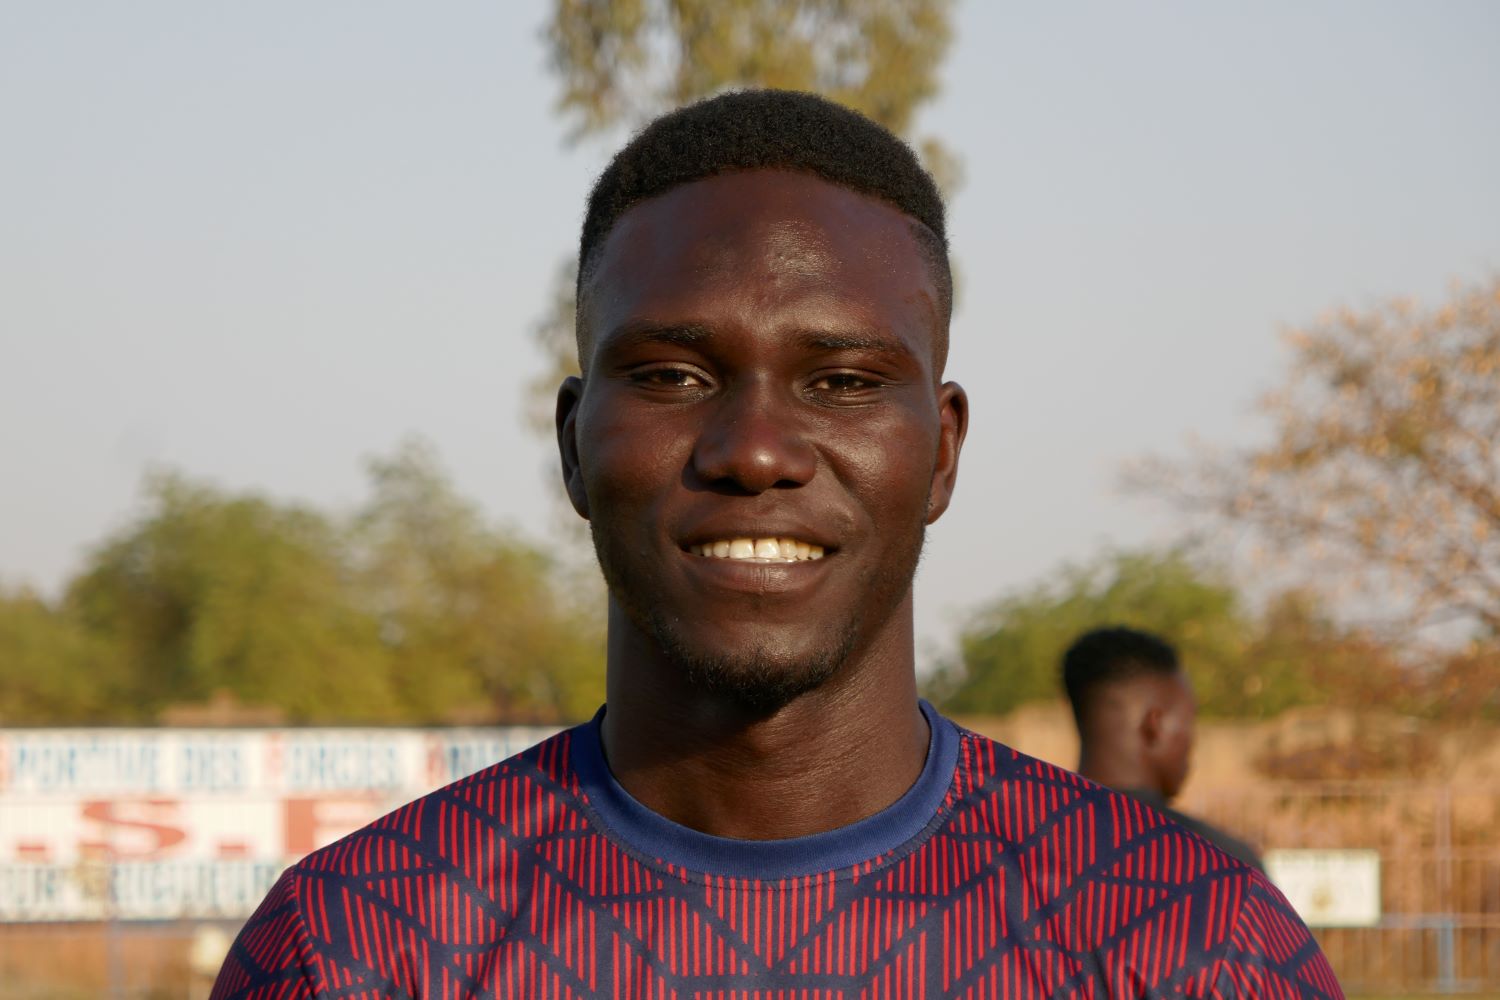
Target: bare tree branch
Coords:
[(1384, 461)]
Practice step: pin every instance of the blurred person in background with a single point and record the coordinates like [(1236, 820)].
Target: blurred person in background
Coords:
[(1135, 710)]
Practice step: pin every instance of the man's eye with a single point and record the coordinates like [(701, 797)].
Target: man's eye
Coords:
[(666, 378), (844, 382)]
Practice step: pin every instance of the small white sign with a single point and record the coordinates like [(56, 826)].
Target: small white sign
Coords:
[(1329, 888)]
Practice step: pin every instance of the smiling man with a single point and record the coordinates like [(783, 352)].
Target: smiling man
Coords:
[(764, 809)]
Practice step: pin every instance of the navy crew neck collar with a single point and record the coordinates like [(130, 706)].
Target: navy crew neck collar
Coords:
[(653, 836)]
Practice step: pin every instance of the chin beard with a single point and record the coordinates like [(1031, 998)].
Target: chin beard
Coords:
[(755, 681)]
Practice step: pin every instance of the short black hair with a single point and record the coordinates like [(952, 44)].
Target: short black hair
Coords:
[(1108, 655), (760, 130)]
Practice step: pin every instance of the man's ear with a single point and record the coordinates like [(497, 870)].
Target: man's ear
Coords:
[(569, 396), (953, 417), (1151, 726)]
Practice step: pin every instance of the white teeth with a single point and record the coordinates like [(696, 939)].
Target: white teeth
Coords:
[(758, 549)]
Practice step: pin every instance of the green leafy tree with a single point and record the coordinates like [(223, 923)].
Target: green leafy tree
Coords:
[(211, 592), (1009, 654), (51, 669), (1241, 664), (411, 609), (470, 615)]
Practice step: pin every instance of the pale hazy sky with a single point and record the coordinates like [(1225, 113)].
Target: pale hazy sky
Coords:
[(260, 242)]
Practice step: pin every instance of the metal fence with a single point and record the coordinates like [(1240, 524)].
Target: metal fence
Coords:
[(1439, 848)]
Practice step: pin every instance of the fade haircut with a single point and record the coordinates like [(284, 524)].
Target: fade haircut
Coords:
[(768, 130), (1108, 656)]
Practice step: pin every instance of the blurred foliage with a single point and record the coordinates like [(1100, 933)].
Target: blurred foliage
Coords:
[(1242, 664), (1382, 474), (211, 591), (1010, 652), (1464, 686), (622, 62), (448, 590), (52, 670), (411, 609)]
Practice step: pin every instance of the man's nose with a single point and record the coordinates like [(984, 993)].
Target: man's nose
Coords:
[(755, 441)]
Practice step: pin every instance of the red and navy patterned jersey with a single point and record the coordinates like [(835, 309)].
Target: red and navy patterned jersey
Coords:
[(996, 875)]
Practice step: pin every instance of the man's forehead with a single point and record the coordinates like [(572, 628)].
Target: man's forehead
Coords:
[(805, 219), (1158, 684), (772, 227), (793, 246)]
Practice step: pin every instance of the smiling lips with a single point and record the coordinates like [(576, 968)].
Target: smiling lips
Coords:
[(763, 550)]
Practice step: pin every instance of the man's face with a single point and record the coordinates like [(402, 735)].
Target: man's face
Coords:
[(759, 388), (1174, 755)]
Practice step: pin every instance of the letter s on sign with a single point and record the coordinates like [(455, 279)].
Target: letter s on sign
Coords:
[(137, 829)]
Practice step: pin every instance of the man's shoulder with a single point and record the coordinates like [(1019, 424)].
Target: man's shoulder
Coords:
[(523, 794), (429, 862), (1106, 874)]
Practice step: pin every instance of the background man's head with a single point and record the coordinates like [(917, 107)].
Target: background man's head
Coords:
[(765, 130), (1134, 707)]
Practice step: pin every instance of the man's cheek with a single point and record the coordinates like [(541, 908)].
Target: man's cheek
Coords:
[(889, 472)]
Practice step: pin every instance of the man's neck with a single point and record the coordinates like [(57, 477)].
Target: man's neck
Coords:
[(828, 758), (1114, 766)]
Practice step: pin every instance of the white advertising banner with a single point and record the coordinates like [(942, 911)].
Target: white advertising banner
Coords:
[(161, 824), (1329, 888)]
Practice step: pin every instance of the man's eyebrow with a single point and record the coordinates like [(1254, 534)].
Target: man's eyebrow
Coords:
[(695, 335), (870, 343), (645, 331)]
